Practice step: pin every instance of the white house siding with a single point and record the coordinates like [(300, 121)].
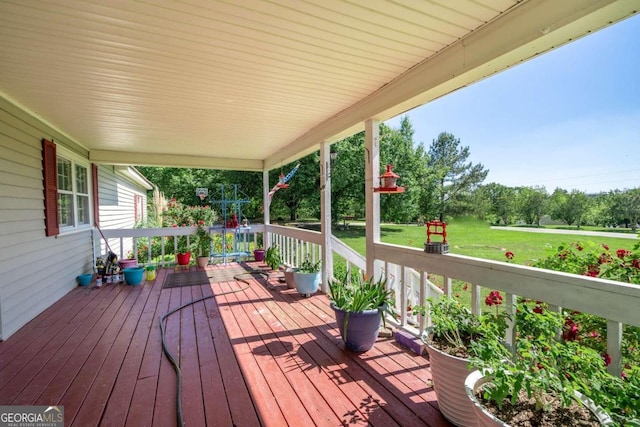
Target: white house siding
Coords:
[(35, 270), (117, 196)]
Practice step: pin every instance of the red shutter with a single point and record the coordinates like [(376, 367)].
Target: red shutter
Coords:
[(50, 181), (96, 201)]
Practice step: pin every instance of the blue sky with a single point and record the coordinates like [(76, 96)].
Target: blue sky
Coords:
[(568, 119)]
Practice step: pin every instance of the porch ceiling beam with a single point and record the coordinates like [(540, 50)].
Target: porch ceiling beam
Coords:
[(527, 30), (171, 160)]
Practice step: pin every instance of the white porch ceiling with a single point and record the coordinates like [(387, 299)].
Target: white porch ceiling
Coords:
[(250, 84)]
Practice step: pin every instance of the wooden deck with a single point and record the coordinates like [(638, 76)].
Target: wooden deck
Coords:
[(261, 356)]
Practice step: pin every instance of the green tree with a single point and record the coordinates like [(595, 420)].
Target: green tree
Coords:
[(347, 178), (500, 200), (625, 207), (455, 177), (570, 207), (531, 204)]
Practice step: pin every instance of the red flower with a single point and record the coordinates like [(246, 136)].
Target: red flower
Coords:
[(457, 295), (570, 332), (592, 271), (607, 359), (605, 246), (538, 309), (466, 287), (563, 254), (494, 298), (579, 247), (509, 255), (636, 263), (621, 253)]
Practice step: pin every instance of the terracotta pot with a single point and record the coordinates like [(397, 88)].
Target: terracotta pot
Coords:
[(202, 261), (288, 277), (449, 373), (183, 258)]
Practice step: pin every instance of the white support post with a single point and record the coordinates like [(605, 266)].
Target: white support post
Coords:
[(266, 206), (372, 199), (325, 215)]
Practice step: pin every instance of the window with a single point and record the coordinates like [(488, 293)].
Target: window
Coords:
[(73, 194), (67, 197)]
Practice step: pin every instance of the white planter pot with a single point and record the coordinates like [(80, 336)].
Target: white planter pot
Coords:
[(476, 379), (449, 373)]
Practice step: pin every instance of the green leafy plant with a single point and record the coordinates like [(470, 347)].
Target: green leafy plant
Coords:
[(308, 266), (454, 327), (548, 368), (598, 260), (272, 257), (202, 240), (360, 294)]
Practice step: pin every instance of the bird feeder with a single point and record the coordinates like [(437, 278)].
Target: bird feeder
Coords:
[(388, 182), (437, 228)]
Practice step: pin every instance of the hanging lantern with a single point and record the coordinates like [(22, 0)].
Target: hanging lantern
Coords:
[(388, 182)]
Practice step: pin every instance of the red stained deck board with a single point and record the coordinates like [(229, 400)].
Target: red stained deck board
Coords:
[(103, 385), (216, 409), (263, 356), (308, 403), (238, 398), (192, 404), (165, 408), (259, 387), (52, 363), (144, 395), (75, 396), (29, 365), (37, 326), (301, 357), (316, 310), (53, 393)]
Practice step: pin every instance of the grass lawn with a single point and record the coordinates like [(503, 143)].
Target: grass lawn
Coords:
[(473, 237)]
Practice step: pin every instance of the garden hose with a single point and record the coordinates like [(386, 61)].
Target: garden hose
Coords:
[(165, 349)]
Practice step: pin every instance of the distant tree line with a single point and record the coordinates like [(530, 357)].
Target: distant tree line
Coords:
[(440, 182)]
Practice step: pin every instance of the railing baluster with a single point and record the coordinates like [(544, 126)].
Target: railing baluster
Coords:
[(476, 296), (614, 347)]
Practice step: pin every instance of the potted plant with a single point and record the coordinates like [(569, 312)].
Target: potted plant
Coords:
[(307, 277), (183, 254), (259, 252), (359, 306), (272, 257), (542, 377), (202, 245), (448, 342)]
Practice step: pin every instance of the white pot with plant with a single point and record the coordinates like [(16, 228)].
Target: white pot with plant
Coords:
[(541, 378), (448, 342)]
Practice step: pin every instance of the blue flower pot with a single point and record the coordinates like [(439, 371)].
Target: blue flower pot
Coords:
[(84, 279), (361, 330), (133, 275), (306, 283)]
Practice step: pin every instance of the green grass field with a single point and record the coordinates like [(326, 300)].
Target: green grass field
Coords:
[(472, 237)]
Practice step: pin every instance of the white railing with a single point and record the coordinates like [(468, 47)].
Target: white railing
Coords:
[(242, 241), (407, 271), (614, 301), (295, 244)]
